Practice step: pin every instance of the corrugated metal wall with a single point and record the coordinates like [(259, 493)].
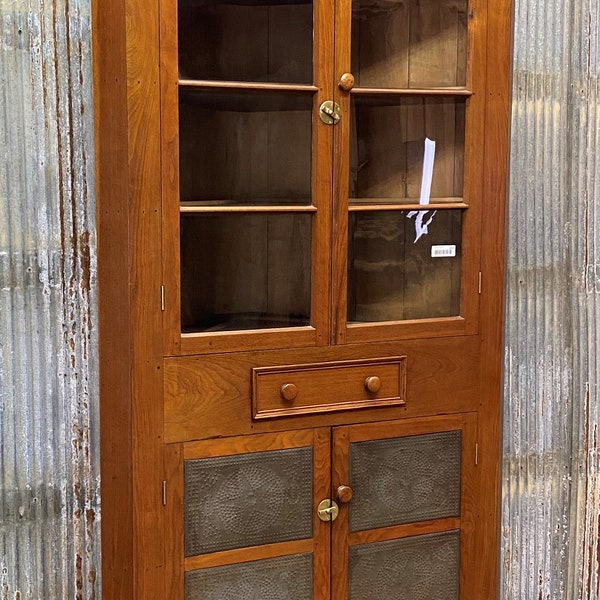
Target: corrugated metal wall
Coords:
[(551, 497), (49, 475), (49, 505)]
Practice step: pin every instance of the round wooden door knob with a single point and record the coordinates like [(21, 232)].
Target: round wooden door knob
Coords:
[(373, 384), (346, 82), (344, 494), (289, 391)]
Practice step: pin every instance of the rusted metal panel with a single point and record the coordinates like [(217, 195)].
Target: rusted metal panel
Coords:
[(49, 474), (551, 499)]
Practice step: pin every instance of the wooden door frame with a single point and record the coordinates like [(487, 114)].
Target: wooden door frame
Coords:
[(473, 244), (317, 334), (318, 439), (342, 539)]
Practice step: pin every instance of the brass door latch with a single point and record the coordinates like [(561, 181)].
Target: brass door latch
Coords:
[(330, 112), (328, 510)]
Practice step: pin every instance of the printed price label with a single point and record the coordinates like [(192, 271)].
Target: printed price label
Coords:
[(443, 251)]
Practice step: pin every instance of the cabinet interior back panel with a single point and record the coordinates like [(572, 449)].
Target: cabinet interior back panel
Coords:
[(246, 41), (409, 43)]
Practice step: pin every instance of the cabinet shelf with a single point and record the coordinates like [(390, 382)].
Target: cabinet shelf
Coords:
[(199, 84), (247, 321), (247, 98), (202, 207), (370, 204), (459, 91), (186, 4)]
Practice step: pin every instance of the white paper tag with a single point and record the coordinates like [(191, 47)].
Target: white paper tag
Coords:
[(428, 158), (423, 218), (421, 225), (443, 251)]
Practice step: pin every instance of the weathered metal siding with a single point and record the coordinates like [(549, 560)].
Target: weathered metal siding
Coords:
[(49, 474), (551, 499), (49, 538)]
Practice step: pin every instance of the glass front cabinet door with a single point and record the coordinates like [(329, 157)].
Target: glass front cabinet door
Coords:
[(316, 195), (324, 171)]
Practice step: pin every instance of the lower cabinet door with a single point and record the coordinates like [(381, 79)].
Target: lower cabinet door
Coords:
[(405, 525), (363, 512), (250, 530)]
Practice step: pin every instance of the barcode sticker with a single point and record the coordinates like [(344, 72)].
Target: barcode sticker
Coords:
[(443, 251)]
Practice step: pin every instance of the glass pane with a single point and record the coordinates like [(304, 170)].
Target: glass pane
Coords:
[(284, 578), (248, 500), (405, 480), (236, 148), (245, 271), (246, 40), (387, 145), (393, 274), (409, 43), (424, 567)]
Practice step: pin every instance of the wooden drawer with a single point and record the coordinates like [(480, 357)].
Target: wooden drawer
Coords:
[(326, 387)]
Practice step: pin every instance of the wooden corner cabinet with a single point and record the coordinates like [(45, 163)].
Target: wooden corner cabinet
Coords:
[(301, 240)]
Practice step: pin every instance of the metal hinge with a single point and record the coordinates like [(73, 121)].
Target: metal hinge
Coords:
[(479, 282), (162, 297), (164, 493)]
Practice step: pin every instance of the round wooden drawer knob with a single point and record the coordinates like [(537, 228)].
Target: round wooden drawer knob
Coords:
[(346, 82), (373, 384), (344, 494), (289, 391)]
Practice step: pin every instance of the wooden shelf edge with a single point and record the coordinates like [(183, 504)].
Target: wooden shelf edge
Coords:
[(432, 320), (199, 84), (274, 208), (441, 204), (371, 205), (431, 91)]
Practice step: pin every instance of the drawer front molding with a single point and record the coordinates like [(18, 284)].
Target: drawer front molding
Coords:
[(289, 390)]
